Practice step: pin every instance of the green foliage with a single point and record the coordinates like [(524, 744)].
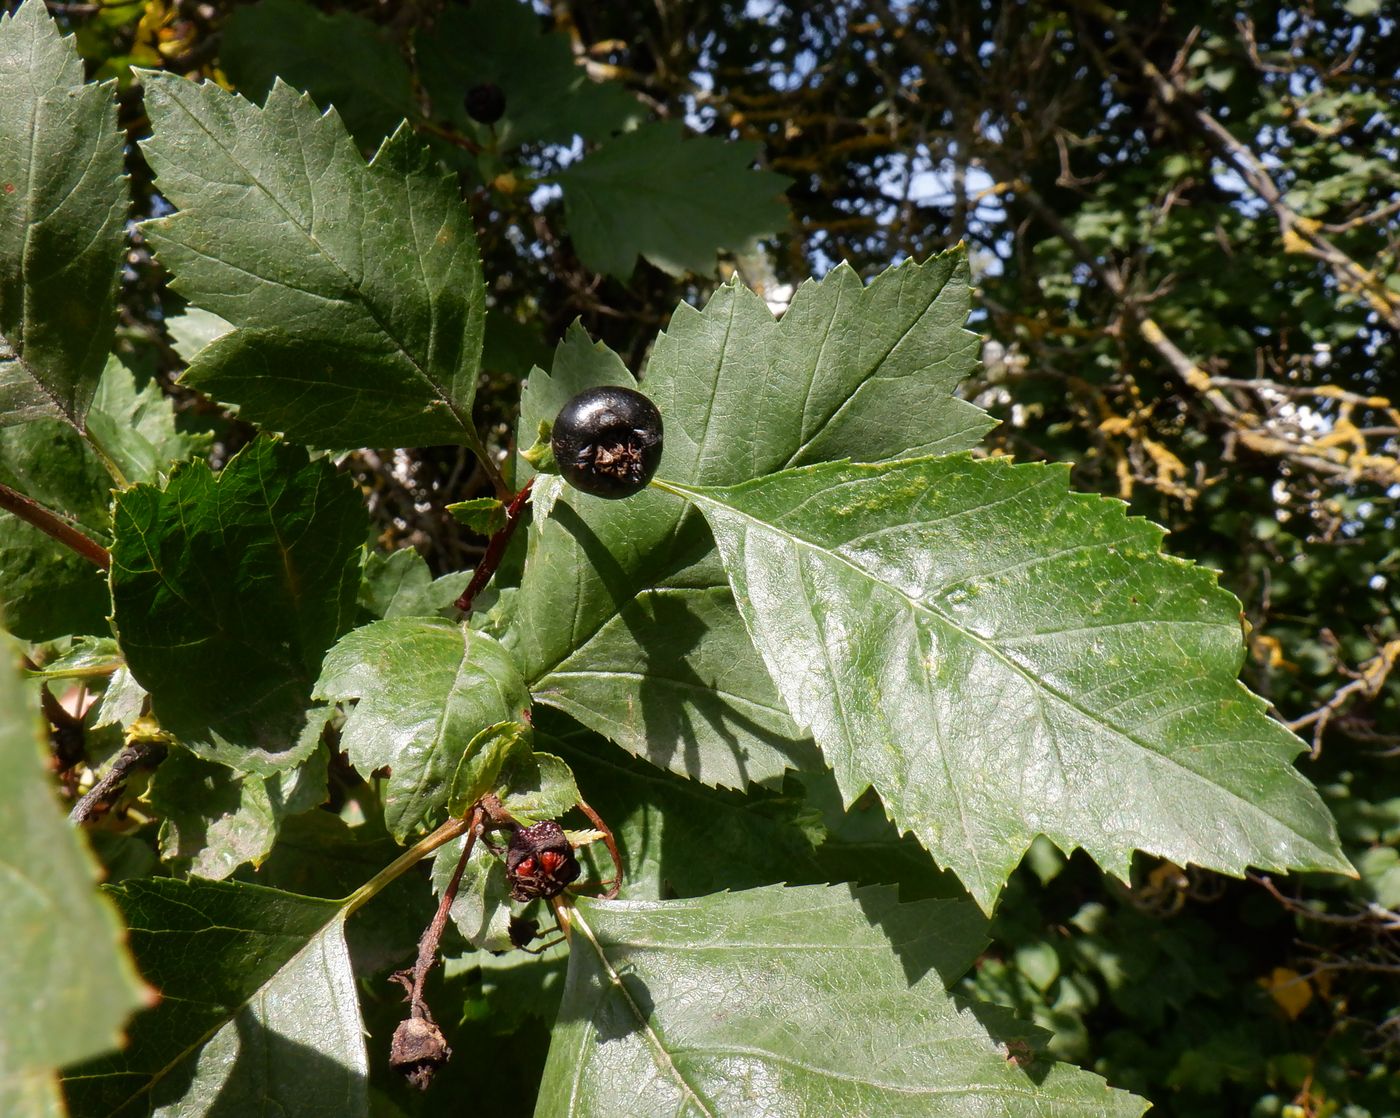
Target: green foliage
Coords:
[(843, 674), (427, 688), (62, 212), (948, 627), (652, 194), (259, 1006), (339, 337), (886, 1039), (51, 916), (227, 589)]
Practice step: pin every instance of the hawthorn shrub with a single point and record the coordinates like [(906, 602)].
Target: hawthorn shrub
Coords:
[(721, 778)]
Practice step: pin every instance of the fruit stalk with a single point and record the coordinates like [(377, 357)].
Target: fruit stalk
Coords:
[(496, 549)]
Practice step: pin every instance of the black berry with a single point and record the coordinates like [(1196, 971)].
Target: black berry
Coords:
[(540, 862), (607, 441), (485, 103)]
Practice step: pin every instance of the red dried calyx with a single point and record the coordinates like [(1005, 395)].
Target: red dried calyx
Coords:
[(540, 862)]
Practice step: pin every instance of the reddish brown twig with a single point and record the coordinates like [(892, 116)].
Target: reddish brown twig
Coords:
[(50, 524), (496, 549), (614, 886)]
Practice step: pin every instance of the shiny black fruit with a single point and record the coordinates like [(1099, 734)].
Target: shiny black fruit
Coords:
[(607, 441)]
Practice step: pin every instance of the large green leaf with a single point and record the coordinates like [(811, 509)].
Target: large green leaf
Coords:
[(355, 291), (62, 222), (227, 590), (425, 689), (548, 95), (816, 1000), (340, 59), (673, 199), (258, 1010), (1000, 658), (66, 983), (625, 619)]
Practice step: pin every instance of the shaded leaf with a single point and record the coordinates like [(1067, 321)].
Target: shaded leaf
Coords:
[(136, 427), (399, 584), (340, 59), (355, 292), (214, 819), (258, 1008), (63, 207), (548, 95), (227, 590), (48, 591), (625, 619), (682, 839), (51, 1011), (672, 198), (732, 1005), (425, 689), (1000, 658)]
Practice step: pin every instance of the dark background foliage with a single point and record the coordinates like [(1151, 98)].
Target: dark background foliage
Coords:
[(1184, 226)]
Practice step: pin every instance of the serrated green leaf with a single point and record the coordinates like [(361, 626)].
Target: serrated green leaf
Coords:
[(136, 427), (193, 329), (425, 689), (258, 1012), (86, 657), (51, 1011), (227, 590), (214, 820), (63, 207), (548, 95), (812, 1000), (1000, 658), (625, 619), (674, 199), (47, 590), (538, 786), (479, 770), (399, 584), (484, 515), (355, 291), (339, 59), (122, 700)]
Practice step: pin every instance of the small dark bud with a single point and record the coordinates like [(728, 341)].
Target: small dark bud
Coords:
[(522, 931), (418, 1050), (485, 103), (540, 862)]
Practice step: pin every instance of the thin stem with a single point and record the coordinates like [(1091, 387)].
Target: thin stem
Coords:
[(404, 862), (414, 978), (106, 457), (50, 524), (493, 472), (615, 885), (106, 789), (496, 549)]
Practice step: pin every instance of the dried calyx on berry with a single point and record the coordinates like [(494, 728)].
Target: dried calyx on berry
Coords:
[(540, 862), (485, 103), (607, 441)]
